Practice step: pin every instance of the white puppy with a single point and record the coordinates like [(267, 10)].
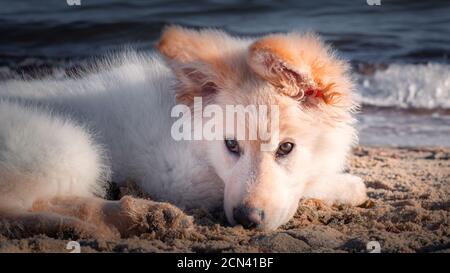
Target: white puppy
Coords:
[(62, 140)]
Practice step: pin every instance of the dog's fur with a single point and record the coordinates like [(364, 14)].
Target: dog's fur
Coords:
[(61, 140)]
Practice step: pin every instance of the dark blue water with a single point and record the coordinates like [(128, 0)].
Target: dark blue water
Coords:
[(400, 50), (413, 31)]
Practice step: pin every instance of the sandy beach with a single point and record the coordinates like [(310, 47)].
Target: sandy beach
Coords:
[(408, 211)]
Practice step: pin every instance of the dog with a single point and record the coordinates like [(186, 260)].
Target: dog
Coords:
[(62, 140)]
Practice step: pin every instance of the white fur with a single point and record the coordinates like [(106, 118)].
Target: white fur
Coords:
[(42, 156), (127, 106), (44, 151)]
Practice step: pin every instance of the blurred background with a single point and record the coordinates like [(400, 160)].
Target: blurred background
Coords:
[(399, 50)]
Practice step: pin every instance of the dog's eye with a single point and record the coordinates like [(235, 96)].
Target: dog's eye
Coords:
[(285, 148), (232, 145)]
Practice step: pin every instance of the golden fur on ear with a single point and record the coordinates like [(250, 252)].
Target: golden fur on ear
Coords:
[(301, 66), (203, 60), (185, 45)]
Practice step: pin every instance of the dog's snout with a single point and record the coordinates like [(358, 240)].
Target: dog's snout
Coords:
[(248, 217)]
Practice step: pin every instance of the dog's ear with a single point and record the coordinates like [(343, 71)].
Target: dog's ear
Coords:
[(198, 59), (302, 67)]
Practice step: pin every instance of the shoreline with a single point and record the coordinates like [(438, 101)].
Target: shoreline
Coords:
[(408, 211)]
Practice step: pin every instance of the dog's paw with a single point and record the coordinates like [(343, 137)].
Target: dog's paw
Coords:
[(354, 191), (338, 189), (160, 219)]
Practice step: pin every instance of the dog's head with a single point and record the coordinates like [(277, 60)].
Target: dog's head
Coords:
[(314, 97)]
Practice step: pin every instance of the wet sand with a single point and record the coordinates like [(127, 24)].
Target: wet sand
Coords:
[(408, 211)]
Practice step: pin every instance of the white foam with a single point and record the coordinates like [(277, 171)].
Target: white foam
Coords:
[(408, 86)]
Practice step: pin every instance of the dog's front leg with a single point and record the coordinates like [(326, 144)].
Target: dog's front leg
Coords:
[(337, 189), (96, 217)]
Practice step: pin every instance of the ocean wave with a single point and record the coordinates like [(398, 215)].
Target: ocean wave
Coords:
[(407, 86)]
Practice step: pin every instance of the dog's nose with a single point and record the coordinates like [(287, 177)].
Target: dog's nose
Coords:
[(247, 216)]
